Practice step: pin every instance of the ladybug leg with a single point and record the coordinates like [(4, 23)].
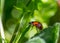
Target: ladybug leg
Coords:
[(38, 31), (31, 27)]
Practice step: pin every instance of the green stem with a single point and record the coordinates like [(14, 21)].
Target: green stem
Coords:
[(24, 32), (14, 34)]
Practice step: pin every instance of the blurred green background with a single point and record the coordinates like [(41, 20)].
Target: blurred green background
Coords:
[(18, 14)]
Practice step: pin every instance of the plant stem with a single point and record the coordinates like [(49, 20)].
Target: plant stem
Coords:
[(14, 34), (2, 31), (24, 32)]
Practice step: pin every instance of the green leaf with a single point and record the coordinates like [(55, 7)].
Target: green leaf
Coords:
[(50, 35), (36, 40)]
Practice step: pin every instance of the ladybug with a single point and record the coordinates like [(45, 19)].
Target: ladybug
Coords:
[(37, 24)]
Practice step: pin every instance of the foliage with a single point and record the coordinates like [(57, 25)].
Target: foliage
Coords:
[(49, 35), (17, 14)]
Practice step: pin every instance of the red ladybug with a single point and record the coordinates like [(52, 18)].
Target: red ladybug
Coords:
[(37, 24)]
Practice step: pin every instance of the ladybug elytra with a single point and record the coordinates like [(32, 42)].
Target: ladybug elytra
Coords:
[(37, 24)]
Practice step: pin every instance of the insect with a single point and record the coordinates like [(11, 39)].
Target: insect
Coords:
[(37, 24)]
